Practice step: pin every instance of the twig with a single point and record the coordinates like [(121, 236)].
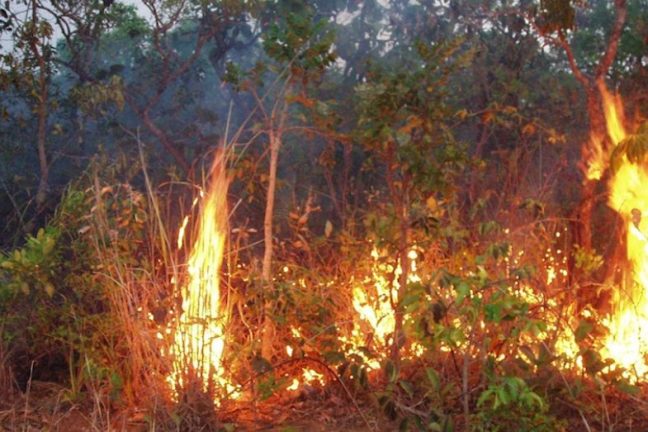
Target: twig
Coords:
[(328, 369), (29, 382), (571, 394)]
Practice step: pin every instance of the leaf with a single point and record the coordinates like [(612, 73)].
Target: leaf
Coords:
[(528, 129), (433, 378), (49, 289), (584, 328), (502, 396), (627, 388), (328, 228), (333, 357), (485, 396), (409, 300), (261, 365), (463, 290), (407, 386), (24, 287), (390, 371), (435, 427)]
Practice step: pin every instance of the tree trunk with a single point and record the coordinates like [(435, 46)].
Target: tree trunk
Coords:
[(400, 201), (41, 193), (403, 252), (268, 330), (41, 109), (598, 131), (582, 216)]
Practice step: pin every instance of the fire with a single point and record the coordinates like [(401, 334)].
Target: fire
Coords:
[(309, 376), (199, 339), (628, 324), (372, 303)]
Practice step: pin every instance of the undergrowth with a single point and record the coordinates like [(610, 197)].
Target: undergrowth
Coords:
[(88, 300)]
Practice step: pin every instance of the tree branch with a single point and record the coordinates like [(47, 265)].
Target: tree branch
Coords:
[(613, 43), (578, 74)]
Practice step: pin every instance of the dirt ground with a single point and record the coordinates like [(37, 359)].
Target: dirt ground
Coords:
[(46, 407)]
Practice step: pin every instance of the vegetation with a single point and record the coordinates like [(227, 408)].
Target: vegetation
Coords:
[(419, 233)]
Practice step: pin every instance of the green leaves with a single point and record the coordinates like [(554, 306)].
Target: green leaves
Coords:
[(96, 98), (34, 265), (300, 41), (634, 148), (403, 116), (509, 391), (588, 261)]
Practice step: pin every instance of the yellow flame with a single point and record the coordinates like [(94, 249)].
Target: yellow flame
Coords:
[(596, 158), (627, 343), (181, 231), (372, 302), (294, 385), (613, 110), (199, 342), (309, 376)]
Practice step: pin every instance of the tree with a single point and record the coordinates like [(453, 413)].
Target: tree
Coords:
[(555, 21), (29, 69), (403, 122), (299, 51)]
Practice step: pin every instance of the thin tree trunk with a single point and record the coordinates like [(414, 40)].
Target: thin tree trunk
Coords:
[(403, 252), (400, 202), (583, 213), (275, 144), (268, 330), (41, 193)]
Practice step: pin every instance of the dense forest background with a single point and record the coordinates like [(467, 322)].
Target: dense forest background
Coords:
[(362, 136)]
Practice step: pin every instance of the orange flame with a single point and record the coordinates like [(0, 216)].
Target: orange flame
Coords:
[(597, 154), (199, 339), (372, 303), (627, 343), (596, 158)]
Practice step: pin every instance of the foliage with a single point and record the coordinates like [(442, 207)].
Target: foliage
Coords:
[(511, 404), (633, 148)]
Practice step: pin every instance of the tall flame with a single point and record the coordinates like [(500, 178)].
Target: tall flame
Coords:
[(628, 323), (199, 341), (597, 153)]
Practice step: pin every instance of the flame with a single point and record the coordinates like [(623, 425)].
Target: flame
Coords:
[(181, 232), (627, 343), (596, 158), (547, 301), (372, 302), (199, 341), (309, 376)]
